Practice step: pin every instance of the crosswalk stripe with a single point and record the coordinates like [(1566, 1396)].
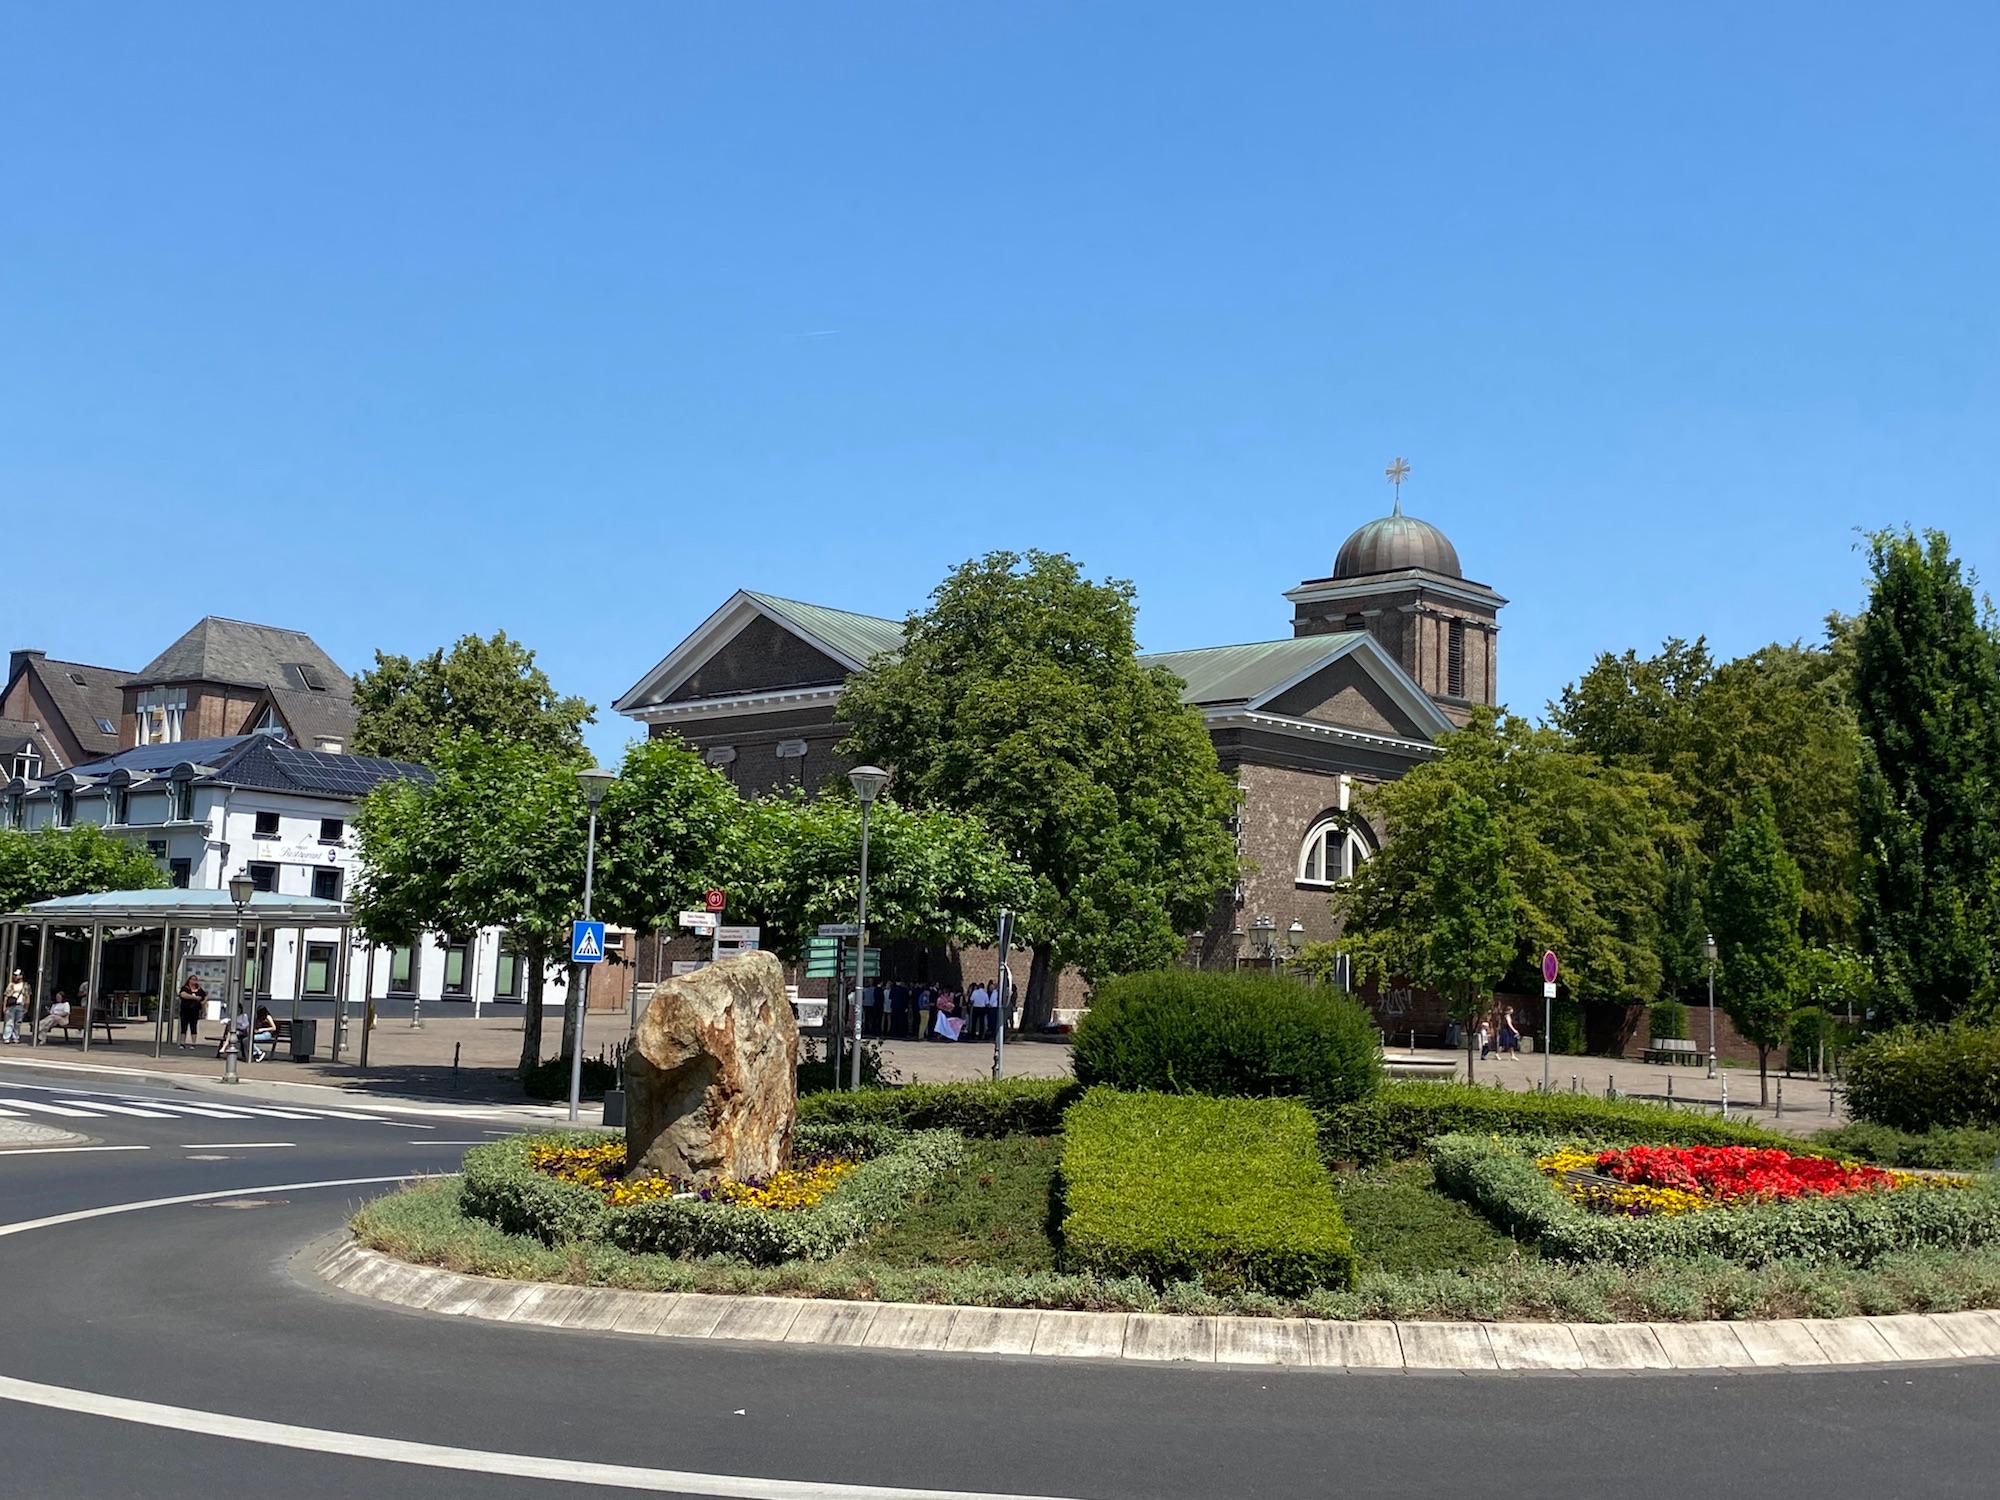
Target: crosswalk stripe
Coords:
[(119, 1109), (11, 1115), (271, 1114), (54, 1109), (211, 1112)]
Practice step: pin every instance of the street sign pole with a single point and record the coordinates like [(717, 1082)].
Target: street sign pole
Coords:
[(1006, 987), (836, 1018), (583, 999), (1549, 971)]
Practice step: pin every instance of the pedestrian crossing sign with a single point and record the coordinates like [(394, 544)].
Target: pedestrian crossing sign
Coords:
[(586, 942)]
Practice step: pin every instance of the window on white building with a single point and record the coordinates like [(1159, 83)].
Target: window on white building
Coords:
[(179, 872), (331, 829), (457, 969), (326, 884), (28, 763), (319, 968), (263, 876), (1332, 851), (120, 801), (65, 809), (180, 802), (402, 970), (507, 975), (267, 825)]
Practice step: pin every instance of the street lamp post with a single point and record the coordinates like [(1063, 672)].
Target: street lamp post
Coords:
[(241, 889), (1264, 934), (868, 782), (1296, 934), (1708, 947), (595, 781)]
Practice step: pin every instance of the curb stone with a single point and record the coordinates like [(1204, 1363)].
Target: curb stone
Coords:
[(1157, 1338)]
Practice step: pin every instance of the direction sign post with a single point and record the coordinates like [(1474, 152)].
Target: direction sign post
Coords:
[(1005, 984), (1549, 972)]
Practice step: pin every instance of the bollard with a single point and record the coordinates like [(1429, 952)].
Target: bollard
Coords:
[(1781, 1098), (1725, 1096), (1413, 1039), (1609, 1086), (454, 1065), (1670, 1090), (1573, 1084)]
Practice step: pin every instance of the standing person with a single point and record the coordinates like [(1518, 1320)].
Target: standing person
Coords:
[(896, 1019), (926, 1006), (975, 1010), (17, 1005), (1485, 1035), (944, 1029), (193, 996), (1510, 1034), (874, 998)]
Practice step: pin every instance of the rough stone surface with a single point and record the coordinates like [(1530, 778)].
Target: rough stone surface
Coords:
[(712, 1075)]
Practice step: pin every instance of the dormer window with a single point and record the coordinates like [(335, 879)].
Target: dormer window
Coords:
[(160, 715), (28, 763), (119, 799), (65, 808), (180, 801)]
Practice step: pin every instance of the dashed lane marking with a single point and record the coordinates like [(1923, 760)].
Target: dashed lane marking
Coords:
[(234, 1145), (61, 1150)]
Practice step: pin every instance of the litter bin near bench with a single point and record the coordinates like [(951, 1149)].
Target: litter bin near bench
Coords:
[(305, 1036)]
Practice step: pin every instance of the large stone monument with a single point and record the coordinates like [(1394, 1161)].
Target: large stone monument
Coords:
[(712, 1077)]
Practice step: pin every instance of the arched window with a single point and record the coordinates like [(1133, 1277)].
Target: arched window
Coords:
[(1333, 851)]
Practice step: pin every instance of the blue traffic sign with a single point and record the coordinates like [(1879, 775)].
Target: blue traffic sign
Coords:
[(586, 942)]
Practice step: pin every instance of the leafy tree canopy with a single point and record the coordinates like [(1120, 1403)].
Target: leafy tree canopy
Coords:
[(1585, 850), (1754, 901), (47, 863), (1927, 688), (1018, 697), (934, 876), (409, 709)]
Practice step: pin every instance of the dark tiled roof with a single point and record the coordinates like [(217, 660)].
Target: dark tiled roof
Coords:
[(269, 763), (17, 735), (148, 760), (312, 717), (83, 694), (235, 651)]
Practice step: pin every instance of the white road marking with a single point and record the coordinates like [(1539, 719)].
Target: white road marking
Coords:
[(11, 1114), (41, 1108), (450, 1143), (573, 1471), (211, 1111), (398, 1450), (54, 1150), (234, 1145), (119, 1109)]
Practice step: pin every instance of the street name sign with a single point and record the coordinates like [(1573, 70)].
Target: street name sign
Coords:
[(700, 921), (839, 930)]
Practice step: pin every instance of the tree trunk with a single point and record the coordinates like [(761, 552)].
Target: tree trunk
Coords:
[(1763, 1077), (531, 1015), (572, 1002), (1039, 1005), (1471, 1036)]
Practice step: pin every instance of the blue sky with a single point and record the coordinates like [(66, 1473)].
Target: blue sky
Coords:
[(392, 322)]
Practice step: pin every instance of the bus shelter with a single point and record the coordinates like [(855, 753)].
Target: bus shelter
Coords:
[(157, 933)]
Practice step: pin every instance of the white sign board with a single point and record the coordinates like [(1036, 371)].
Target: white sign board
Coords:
[(699, 921), (688, 966), (738, 937), (1548, 992)]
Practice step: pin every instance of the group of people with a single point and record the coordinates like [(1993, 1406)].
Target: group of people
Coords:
[(192, 998), (928, 1012), (1498, 1033)]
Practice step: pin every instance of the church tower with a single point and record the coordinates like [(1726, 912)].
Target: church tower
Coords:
[(1398, 578)]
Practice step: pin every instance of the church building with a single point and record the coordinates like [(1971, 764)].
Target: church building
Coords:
[(1394, 647)]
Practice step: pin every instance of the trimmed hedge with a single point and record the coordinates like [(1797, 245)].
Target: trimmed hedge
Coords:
[(549, 1078), (1500, 1179), (1667, 1021), (501, 1188), (1920, 1078), (1404, 1116), (1011, 1106), (1226, 1192), (1184, 1031), (1962, 1148)]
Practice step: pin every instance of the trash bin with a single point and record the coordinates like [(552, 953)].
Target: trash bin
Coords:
[(614, 1109), (305, 1037)]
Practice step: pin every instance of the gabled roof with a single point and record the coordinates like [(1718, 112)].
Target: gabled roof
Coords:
[(18, 734), (82, 694), (215, 649), (1248, 677), (850, 639), (312, 717)]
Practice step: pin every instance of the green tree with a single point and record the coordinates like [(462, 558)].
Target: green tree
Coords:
[(494, 840), (1018, 697), (1837, 979), (1779, 720), (1448, 921), (1754, 894), (934, 876), (410, 709), (497, 839), (1586, 851), (1927, 686), (52, 862)]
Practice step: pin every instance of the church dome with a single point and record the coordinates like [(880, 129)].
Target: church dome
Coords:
[(1394, 543)]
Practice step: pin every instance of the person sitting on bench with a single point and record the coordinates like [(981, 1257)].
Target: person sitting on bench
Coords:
[(265, 1034), (56, 1015)]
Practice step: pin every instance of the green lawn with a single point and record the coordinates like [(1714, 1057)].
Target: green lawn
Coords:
[(992, 1212), (1400, 1222)]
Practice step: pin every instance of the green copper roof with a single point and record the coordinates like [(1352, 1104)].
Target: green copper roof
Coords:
[(1236, 674), (860, 637)]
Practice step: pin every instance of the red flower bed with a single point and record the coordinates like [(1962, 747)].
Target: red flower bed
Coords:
[(1733, 1174)]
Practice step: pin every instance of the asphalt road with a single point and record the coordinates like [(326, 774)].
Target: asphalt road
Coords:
[(207, 1307)]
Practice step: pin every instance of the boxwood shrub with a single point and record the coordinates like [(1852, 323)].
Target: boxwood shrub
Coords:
[(1962, 1148), (1010, 1106), (1402, 1117), (1185, 1031), (1920, 1078), (1500, 1179), (500, 1187), (1180, 1188)]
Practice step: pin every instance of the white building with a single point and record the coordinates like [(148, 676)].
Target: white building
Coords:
[(206, 809)]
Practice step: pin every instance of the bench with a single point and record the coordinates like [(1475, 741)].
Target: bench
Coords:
[(73, 1023), (281, 1028), (1676, 1050)]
